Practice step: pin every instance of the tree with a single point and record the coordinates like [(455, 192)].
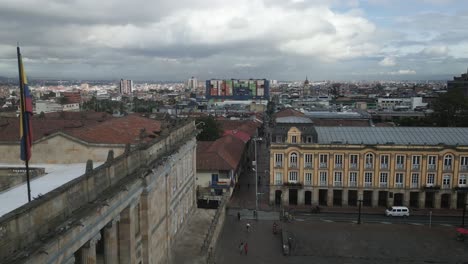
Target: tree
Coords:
[(451, 109), (211, 130)]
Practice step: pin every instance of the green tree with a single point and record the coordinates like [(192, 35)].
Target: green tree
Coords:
[(451, 109), (211, 129)]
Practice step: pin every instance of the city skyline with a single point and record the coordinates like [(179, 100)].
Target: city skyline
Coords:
[(284, 40)]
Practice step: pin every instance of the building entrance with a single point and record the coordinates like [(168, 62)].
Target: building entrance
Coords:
[(292, 196)]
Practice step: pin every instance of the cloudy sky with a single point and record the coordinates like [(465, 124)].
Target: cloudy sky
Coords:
[(274, 39)]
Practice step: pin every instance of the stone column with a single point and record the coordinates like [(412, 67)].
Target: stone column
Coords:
[(422, 200), (437, 200), (285, 197), (344, 195), (453, 200), (315, 196), (330, 197), (88, 251), (406, 198), (110, 242), (375, 198), (300, 196), (127, 236)]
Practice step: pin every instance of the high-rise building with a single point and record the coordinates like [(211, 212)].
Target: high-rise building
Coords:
[(235, 89), (192, 83), (459, 82), (126, 86)]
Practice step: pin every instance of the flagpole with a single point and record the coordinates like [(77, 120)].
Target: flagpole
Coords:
[(23, 120)]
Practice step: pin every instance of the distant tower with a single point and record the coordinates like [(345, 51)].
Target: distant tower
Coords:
[(305, 86), (126, 86), (192, 83)]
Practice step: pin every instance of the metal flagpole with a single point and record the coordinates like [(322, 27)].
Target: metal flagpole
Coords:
[(23, 120)]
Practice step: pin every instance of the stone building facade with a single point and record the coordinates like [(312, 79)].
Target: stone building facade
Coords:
[(127, 210), (382, 166)]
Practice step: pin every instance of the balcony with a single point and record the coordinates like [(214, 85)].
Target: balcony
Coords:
[(353, 166), (445, 186), (308, 183), (323, 183), (416, 167), (278, 182), (293, 165), (400, 166), (323, 165), (293, 184), (464, 168), (431, 167), (369, 166), (353, 184), (384, 166), (447, 167), (430, 187), (368, 184), (338, 166), (398, 185), (278, 165), (414, 185), (338, 184), (308, 166), (383, 185)]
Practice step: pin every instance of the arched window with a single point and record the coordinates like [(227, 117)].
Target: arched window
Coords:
[(293, 160), (448, 160), (369, 160)]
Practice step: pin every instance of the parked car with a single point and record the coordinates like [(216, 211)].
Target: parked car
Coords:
[(397, 211)]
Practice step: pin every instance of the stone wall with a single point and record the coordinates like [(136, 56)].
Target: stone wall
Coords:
[(150, 190), (10, 177)]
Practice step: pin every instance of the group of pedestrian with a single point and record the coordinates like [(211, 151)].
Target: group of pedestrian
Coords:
[(243, 247)]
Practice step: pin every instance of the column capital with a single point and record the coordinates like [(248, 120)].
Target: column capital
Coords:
[(93, 241), (113, 221)]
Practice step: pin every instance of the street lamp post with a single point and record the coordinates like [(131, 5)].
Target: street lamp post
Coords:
[(256, 172), (359, 214)]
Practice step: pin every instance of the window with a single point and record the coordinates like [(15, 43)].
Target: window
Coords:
[(414, 180), (446, 182), (353, 161), (309, 139), (278, 178), (448, 162), (338, 178), (400, 162), (323, 178), (399, 180), (293, 139), (369, 161), (431, 162), (384, 161), (353, 179), (416, 162), (464, 163), (292, 176), (338, 161), (278, 160), (293, 160), (462, 180), (308, 178), (279, 139), (323, 160), (383, 179), (308, 160), (430, 179), (368, 179)]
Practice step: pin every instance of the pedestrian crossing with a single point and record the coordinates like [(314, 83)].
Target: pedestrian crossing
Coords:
[(378, 222)]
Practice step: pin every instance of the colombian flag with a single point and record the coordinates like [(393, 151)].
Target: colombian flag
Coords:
[(26, 113)]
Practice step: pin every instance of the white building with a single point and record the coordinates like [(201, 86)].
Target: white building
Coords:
[(400, 103), (126, 86), (192, 83), (49, 107)]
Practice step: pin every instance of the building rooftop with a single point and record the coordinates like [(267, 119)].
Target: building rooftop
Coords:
[(393, 135), (294, 119)]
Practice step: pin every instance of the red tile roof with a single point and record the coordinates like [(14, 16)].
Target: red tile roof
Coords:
[(223, 154), (288, 112)]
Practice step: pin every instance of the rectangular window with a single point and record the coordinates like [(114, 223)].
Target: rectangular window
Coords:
[(293, 139), (462, 180), (323, 160), (464, 163), (338, 178), (338, 161), (415, 180), (383, 179), (308, 160), (293, 176), (384, 160), (278, 178), (369, 161), (416, 162), (278, 160), (368, 179), (323, 178), (431, 162), (446, 182), (308, 178), (399, 180), (430, 179), (353, 161), (400, 162), (353, 179)]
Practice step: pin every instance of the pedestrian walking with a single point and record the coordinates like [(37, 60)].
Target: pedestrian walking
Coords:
[(241, 247), (246, 248), (238, 216), (247, 226)]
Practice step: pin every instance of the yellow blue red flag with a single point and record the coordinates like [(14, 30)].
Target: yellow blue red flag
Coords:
[(25, 114)]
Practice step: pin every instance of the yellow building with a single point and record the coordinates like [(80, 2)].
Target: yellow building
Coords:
[(419, 167)]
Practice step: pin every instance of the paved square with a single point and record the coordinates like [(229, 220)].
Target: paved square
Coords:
[(320, 242)]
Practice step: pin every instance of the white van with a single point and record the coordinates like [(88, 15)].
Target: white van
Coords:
[(397, 211)]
